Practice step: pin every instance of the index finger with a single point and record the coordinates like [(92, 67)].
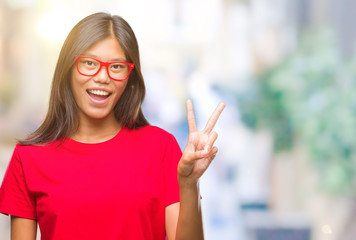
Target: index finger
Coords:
[(190, 116), (214, 118)]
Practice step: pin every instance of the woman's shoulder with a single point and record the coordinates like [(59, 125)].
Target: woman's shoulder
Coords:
[(152, 138), (36, 148), (152, 132), (150, 129)]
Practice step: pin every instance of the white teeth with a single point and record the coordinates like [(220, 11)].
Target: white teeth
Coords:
[(99, 92)]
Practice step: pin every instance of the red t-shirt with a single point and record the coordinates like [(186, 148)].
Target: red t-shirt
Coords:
[(117, 189)]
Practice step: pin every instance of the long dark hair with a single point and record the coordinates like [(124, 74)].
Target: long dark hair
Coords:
[(62, 118)]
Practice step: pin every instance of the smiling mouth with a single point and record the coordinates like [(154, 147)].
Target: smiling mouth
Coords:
[(98, 95)]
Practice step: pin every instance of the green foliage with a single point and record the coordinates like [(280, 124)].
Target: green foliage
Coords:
[(310, 97)]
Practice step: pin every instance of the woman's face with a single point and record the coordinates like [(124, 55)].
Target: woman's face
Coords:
[(96, 96)]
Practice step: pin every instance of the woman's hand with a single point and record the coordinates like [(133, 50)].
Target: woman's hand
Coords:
[(199, 151)]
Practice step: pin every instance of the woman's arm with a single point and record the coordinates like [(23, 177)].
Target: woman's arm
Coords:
[(185, 216), (190, 225), (172, 213), (196, 158), (23, 229)]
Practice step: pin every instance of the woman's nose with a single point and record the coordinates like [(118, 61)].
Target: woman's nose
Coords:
[(102, 76)]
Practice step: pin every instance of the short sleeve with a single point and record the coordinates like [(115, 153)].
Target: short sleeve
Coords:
[(172, 156), (15, 199)]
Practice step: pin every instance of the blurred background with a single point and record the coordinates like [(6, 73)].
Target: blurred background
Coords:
[(286, 168)]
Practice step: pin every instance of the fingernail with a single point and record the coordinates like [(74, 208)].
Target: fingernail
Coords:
[(206, 148)]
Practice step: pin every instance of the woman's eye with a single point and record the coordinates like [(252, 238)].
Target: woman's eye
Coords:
[(116, 66), (89, 63)]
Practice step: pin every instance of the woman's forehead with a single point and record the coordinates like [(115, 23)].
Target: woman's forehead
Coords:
[(108, 49)]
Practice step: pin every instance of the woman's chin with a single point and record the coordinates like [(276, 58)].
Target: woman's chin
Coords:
[(97, 115)]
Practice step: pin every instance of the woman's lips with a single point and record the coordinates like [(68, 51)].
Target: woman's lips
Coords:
[(98, 96)]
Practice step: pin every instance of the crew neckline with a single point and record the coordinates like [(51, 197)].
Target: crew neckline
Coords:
[(78, 146)]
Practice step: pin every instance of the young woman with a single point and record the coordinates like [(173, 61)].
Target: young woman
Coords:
[(95, 168)]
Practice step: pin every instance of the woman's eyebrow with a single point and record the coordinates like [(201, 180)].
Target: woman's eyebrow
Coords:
[(119, 59), (90, 55)]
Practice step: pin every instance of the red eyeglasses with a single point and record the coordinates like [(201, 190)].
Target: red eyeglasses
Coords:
[(118, 71)]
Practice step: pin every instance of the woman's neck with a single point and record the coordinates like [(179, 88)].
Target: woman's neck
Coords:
[(96, 130)]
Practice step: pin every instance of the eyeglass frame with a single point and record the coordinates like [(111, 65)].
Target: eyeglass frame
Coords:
[(105, 64)]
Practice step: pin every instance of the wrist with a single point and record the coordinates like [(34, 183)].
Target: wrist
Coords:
[(189, 191), (188, 183)]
